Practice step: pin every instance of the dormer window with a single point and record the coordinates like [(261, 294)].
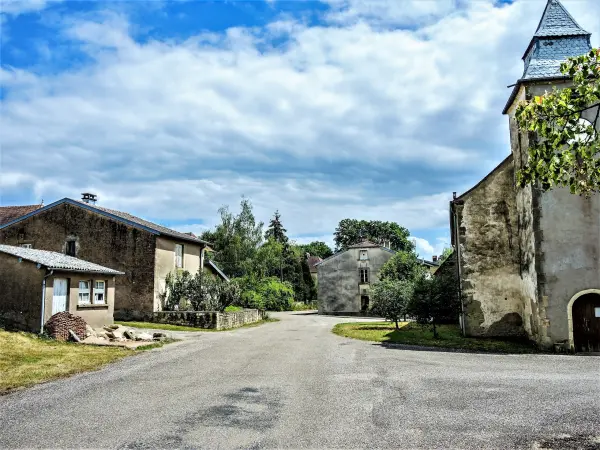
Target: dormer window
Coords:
[(363, 255)]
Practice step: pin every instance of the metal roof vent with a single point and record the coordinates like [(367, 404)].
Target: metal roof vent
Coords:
[(86, 197)]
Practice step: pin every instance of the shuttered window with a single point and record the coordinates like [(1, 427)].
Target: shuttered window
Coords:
[(179, 256)]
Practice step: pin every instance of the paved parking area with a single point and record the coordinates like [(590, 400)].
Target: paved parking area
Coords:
[(293, 384)]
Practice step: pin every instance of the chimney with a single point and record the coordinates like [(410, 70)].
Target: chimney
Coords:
[(434, 258), (86, 197)]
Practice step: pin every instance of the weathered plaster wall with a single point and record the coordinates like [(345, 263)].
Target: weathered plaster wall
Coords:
[(339, 283), (489, 252), (99, 240), (20, 294), (165, 263)]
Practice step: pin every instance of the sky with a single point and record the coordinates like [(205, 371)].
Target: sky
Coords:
[(375, 110)]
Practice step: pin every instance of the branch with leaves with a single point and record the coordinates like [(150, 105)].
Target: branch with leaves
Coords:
[(565, 149)]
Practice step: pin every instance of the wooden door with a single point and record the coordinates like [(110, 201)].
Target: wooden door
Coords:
[(586, 323), (59, 295)]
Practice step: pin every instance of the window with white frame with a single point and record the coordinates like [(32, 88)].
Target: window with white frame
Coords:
[(363, 255), (84, 292), (99, 292), (179, 256), (363, 275)]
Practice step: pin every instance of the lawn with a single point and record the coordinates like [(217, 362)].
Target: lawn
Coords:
[(411, 333), (26, 359), (169, 327)]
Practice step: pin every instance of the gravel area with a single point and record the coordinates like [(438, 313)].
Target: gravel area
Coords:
[(293, 384)]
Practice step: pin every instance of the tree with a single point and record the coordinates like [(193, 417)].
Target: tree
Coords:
[(276, 230), (446, 254), (403, 266), (352, 231), (390, 299), (236, 239), (317, 248), (565, 149), (434, 301)]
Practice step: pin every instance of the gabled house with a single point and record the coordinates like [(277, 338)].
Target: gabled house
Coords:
[(36, 284), (146, 252), (345, 278)]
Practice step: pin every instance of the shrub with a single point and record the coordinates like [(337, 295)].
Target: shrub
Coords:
[(267, 294), (390, 299)]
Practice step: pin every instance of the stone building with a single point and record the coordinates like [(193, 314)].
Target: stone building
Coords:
[(345, 278), (36, 284), (529, 261), (144, 251)]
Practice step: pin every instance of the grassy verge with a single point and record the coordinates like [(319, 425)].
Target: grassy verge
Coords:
[(169, 327), (26, 359), (414, 334)]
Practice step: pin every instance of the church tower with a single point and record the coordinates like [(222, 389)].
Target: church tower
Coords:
[(558, 233)]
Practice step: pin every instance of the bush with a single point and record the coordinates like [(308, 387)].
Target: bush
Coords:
[(267, 294), (390, 299)]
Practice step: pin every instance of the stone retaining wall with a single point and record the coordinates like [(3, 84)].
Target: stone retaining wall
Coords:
[(209, 319)]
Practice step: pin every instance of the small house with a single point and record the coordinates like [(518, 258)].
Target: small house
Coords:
[(36, 284)]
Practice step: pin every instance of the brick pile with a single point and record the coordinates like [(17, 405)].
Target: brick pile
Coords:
[(59, 324)]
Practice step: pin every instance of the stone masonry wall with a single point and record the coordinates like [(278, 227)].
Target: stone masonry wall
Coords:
[(489, 249), (209, 319), (100, 240)]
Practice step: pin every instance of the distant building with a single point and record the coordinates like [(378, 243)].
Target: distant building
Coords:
[(10, 213), (344, 279), (312, 262)]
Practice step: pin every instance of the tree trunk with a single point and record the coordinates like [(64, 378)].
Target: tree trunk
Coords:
[(435, 333), (397, 327)]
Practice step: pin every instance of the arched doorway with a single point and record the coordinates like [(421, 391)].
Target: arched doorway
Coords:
[(584, 321)]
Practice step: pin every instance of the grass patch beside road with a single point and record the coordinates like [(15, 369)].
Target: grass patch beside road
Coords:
[(26, 359), (169, 327), (411, 333)]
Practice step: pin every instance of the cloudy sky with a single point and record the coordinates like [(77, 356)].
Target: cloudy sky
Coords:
[(324, 110)]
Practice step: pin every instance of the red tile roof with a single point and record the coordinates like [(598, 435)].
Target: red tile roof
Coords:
[(9, 213)]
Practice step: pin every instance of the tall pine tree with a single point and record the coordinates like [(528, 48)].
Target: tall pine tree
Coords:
[(275, 230)]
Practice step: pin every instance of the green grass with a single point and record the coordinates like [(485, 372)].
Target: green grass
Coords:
[(27, 359), (169, 327), (411, 333)]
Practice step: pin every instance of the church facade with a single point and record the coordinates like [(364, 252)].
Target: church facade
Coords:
[(529, 261)]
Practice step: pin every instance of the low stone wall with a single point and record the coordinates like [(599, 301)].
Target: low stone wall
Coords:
[(209, 319)]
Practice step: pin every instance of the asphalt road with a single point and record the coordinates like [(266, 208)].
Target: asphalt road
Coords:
[(293, 384)]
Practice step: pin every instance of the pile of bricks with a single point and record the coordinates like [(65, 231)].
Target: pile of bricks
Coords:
[(59, 324)]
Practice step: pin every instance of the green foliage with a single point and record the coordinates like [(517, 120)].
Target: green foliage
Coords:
[(446, 254), (236, 239), (268, 293), (434, 301), (352, 231), (276, 230), (404, 265), (567, 149), (317, 248), (201, 292), (390, 299)]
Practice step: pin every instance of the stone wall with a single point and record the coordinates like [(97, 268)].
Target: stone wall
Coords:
[(100, 240), (489, 251), (209, 319)]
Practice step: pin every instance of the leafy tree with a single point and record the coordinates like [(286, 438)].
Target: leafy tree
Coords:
[(446, 254), (567, 149), (403, 266), (352, 231), (434, 301), (276, 230), (317, 248), (236, 239), (390, 299), (268, 293)]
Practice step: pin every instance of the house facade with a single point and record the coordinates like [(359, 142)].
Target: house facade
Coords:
[(528, 260), (145, 252), (346, 277), (36, 284)]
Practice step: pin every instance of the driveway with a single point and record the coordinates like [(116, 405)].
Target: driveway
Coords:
[(293, 384)]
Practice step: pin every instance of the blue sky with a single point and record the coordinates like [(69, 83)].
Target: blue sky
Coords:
[(323, 110)]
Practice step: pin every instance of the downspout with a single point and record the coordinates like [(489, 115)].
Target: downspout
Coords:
[(458, 268), (44, 300)]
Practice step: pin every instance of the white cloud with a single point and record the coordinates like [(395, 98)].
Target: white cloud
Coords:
[(16, 7), (359, 120)]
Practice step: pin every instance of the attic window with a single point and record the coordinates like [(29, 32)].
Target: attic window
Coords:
[(70, 249), (363, 255)]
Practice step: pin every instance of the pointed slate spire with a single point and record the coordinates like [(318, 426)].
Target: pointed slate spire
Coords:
[(558, 37)]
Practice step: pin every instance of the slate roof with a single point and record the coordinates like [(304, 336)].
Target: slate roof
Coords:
[(10, 213), (124, 217), (365, 244), (556, 21), (57, 261)]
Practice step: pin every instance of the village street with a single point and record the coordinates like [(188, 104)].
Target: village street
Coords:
[(293, 384)]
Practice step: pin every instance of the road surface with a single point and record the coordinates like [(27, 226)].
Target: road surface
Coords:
[(293, 384)]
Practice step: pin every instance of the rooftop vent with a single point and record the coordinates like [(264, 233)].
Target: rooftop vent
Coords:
[(86, 197)]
